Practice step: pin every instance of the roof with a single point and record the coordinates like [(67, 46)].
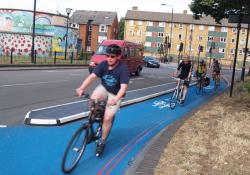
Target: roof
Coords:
[(177, 18), (98, 17)]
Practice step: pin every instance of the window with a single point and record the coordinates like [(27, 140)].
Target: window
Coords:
[(161, 24), (201, 27), (232, 51), (211, 28), (200, 38), (233, 40), (210, 38), (180, 26), (160, 34), (101, 38), (102, 28), (90, 28), (139, 23), (148, 44), (89, 38), (148, 33), (223, 29), (131, 22), (132, 52), (149, 23), (242, 41), (221, 50), (179, 36), (159, 44), (222, 39), (240, 52), (243, 31), (191, 27), (139, 32), (131, 33), (234, 30)]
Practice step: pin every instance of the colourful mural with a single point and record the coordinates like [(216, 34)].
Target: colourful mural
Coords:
[(50, 31), (21, 45)]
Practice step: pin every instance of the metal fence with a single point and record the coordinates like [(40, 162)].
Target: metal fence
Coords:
[(51, 58)]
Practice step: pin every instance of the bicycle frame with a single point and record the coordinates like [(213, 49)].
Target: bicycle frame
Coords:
[(178, 92)]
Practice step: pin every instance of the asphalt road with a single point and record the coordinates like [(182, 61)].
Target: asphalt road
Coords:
[(22, 91)]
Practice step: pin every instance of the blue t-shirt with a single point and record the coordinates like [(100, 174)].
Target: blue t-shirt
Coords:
[(112, 79)]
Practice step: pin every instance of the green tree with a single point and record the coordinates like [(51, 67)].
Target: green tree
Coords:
[(219, 9), (121, 28)]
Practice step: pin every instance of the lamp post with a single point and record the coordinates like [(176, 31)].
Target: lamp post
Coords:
[(68, 11), (33, 34), (171, 28)]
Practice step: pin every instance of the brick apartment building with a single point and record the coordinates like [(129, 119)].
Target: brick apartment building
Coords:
[(151, 29), (94, 27)]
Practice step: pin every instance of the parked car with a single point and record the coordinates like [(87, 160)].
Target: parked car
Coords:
[(132, 55), (150, 61)]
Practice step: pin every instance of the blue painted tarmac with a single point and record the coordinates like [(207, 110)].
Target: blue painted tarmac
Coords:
[(27, 150)]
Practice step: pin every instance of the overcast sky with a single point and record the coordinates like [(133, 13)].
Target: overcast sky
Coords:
[(119, 6)]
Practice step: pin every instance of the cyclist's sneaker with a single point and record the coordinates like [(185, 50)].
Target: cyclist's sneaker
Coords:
[(99, 149)]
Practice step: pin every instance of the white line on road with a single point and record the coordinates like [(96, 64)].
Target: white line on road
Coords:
[(25, 84), (3, 126)]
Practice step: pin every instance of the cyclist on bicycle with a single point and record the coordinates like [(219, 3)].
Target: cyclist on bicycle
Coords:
[(183, 72), (201, 70), (216, 69), (114, 77)]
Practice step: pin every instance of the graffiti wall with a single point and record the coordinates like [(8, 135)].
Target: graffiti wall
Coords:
[(16, 30), (21, 45)]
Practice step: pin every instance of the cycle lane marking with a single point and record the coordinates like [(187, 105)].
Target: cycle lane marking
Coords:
[(130, 148), (3, 126)]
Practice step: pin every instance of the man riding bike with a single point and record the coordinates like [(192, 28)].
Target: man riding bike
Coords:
[(201, 70), (114, 77), (216, 69), (183, 72)]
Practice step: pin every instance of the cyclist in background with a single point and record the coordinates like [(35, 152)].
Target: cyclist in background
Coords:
[(114, 77), (183, 72), (201, 70), (216, 69)]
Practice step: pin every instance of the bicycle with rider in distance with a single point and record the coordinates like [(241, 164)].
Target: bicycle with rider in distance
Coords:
[(200, 84), (177, 94), (216, 78), (90, 131)]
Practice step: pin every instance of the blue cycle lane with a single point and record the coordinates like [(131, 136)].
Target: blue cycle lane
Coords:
[(27, 150)]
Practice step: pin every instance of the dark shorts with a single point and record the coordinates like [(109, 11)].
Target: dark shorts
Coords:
[(186, 83)]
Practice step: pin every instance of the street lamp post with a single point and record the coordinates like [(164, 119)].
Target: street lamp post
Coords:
[(68, 11), (33, 34), (171, 28)]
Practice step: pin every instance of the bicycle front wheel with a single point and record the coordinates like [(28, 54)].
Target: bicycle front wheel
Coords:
[(173, 99), (75, 149)]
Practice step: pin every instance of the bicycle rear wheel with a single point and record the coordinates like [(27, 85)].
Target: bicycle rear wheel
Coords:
[(173, 99), (198, 87), (75, 149)]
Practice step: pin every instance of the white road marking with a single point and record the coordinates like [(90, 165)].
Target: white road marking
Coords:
[(76, 75), (3, 126), (36, 83), (152, 87)]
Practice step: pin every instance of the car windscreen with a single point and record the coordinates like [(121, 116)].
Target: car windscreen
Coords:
[(101, 50)]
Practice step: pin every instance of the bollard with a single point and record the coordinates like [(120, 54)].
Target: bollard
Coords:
[(55, 57), (11, 56)]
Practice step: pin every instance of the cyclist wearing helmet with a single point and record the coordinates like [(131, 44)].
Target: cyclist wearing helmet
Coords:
[(114, 77), (201, 70)]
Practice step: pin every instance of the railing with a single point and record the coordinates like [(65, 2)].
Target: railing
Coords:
[(50, 58)]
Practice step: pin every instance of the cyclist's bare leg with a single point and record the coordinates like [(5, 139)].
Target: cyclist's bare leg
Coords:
[(107, 124), (184, 92)]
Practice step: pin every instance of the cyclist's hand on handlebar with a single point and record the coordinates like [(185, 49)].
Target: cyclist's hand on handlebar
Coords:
[(79, 92)]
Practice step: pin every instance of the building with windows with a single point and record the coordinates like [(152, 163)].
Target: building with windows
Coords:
[(50, 32), (94, 27), (152, 28)]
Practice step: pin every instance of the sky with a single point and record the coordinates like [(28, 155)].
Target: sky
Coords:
[(119, 6)]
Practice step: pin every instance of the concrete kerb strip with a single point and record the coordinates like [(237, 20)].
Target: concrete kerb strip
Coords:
[(64, 120)]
